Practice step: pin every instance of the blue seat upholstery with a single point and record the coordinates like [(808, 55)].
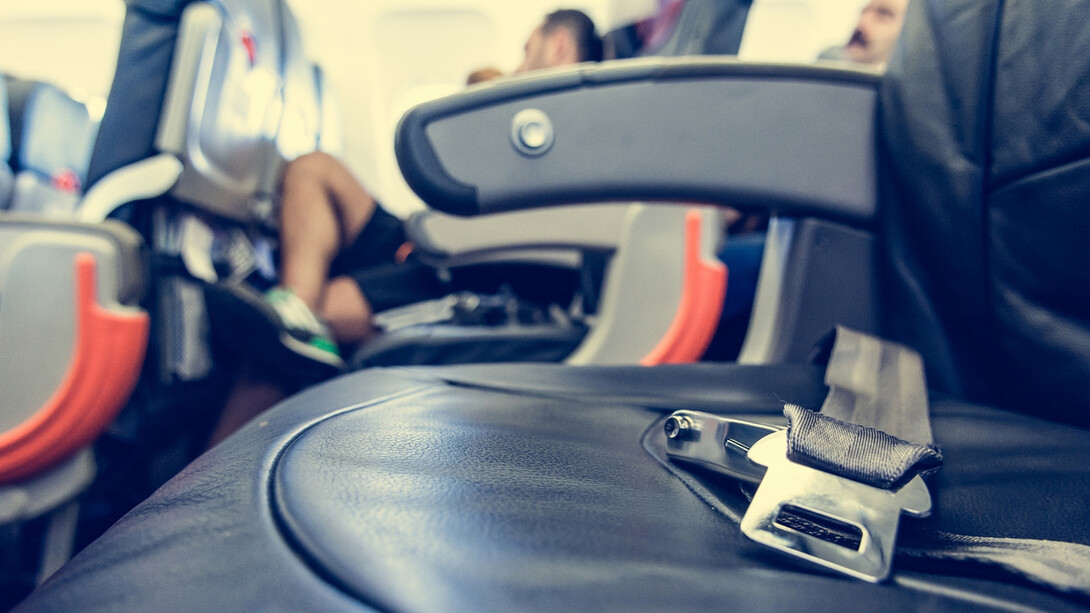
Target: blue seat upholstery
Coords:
[(7, 181), (56, 137)]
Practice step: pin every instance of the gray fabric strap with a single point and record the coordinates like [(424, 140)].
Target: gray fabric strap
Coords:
[(877, 384), (874, 426)]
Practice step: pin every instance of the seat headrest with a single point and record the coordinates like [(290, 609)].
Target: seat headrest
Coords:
[(707, 27), (686, 27), (58, 134)]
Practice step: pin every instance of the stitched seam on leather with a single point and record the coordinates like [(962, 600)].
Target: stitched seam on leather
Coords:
[(1061, 164), (290, 537)]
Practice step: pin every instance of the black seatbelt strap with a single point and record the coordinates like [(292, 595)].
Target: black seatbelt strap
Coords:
[(1057, 565), (865, 455)]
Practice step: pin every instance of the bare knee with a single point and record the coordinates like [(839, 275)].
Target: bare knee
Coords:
[(313, 166), (318, 177)]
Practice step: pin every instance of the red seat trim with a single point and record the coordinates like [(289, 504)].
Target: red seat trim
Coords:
[(697, 316), (105, 365)]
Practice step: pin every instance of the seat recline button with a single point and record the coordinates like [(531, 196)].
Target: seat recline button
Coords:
[(532, 132)]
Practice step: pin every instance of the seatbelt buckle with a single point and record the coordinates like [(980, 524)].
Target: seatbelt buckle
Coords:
[(832, 521), (715, 442)]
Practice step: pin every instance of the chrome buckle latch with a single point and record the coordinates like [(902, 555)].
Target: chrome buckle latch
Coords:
[(793, 498), (716, 443)]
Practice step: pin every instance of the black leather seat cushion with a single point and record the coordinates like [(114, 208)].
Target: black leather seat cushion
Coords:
[(459, 489)]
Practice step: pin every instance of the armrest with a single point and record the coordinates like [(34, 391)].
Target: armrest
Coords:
[(147, 178), (592, 228), (794, 140)]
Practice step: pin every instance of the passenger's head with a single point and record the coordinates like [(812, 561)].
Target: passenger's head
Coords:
[(879, 25), (483, 74), (565, 37)]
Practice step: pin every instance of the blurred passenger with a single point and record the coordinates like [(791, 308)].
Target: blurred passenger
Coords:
[(874, 35), (483, 74), (565, 37), (342, 259)]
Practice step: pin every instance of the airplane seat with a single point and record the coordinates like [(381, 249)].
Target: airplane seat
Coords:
[(552, 487), (202, 114), (700, 27), (1008, 324), (73, 339), (113, 349), (761, 248), (674, 323), (657, 256), (619, 334), (73, 328), (55, 141), (211, 98), (53, 355), (185, 155)]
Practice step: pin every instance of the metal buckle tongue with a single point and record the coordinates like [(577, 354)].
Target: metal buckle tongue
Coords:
[(829, 506), (715, 442), (831, 521)]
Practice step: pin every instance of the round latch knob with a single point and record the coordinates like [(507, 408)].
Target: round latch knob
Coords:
[(532, 132), (678, 427)]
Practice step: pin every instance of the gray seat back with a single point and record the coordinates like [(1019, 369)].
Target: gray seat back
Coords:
[(222, 105), (38, 321)]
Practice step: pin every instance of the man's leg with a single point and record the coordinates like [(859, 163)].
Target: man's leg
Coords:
[(323, 209), (346, 311)]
